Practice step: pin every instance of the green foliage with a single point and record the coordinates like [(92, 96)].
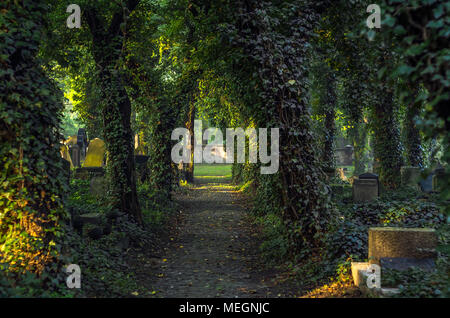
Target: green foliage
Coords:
[(275, 247), (31, 168)]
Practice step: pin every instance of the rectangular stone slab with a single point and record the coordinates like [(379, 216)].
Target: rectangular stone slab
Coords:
[(394, 242), (365, 190), (405, 263)]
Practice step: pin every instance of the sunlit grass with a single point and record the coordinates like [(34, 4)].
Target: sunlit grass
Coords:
[(212, 171)]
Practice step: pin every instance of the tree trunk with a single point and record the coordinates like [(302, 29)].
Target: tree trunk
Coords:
[(116, 109), (190, 127), (119, 141), (330, 127), (387, 146)]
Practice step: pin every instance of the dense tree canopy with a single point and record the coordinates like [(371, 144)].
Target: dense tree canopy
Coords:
[(137, 69)]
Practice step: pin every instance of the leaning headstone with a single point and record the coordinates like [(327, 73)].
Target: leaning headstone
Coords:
[(365, 187), (95, 153), (401, 248), (410, 176)]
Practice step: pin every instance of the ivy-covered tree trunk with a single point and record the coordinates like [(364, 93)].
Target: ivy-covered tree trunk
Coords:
[(413, 141), (330, 127), (116, 109), (31, 182), (387, 145), (118, 134), (280, 58), (358, 135), (160, 161)]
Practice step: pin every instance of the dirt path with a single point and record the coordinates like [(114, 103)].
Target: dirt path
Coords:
[(215, 253)]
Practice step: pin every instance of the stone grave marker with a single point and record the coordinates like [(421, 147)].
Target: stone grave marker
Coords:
[(365, 188), (82, 142), (396, 248), (400, 248), (95, 153), (344, 156)]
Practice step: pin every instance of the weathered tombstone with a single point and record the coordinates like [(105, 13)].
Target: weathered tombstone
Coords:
[(395, 248), (339, 156), (75, 155), (82, 142), (348, 155), (95, 153), (410, 176), (400, 248), (344, 156), (98, 186), (365, 187)]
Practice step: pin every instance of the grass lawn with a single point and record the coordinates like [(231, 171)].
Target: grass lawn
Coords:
[(212, 173)]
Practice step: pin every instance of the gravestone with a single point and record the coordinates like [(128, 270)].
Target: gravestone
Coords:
[(95, 153), (365, 188), (410, 176), (344, 156), (400, 248), (75, 155), (82, 142)]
